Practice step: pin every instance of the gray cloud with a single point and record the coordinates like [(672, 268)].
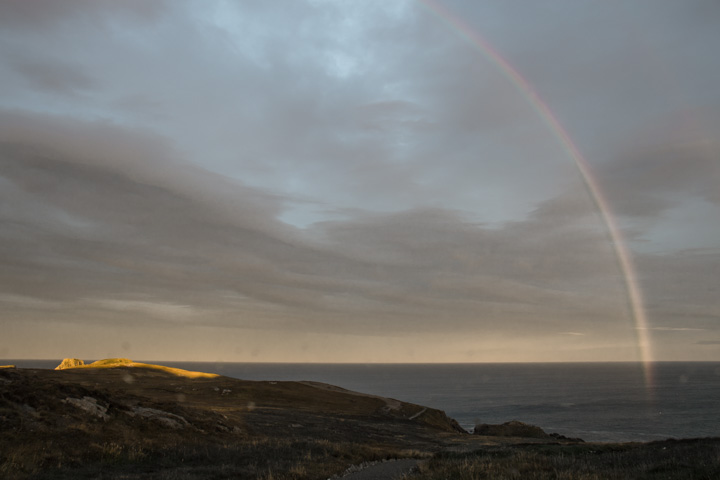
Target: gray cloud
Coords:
[(652, 179), (53, 76), (357, 170), (682, 286), (111, 227), (43, 14)]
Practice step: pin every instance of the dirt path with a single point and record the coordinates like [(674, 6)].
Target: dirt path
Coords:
[(389, 470)]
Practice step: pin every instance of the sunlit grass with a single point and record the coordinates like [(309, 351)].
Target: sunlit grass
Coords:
[(126, 362)]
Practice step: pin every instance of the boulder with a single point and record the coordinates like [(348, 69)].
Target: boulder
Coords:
[(70, 363), (90, 405), (166, 419)]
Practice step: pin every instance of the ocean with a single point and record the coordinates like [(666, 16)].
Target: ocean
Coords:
[(593, 401)]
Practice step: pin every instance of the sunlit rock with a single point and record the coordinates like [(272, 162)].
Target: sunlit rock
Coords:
[(70, 363)]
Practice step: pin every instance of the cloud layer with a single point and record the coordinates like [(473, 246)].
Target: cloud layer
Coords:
[(313, 181)]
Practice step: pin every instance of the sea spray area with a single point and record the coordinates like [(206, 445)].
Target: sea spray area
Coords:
[(594, 401)]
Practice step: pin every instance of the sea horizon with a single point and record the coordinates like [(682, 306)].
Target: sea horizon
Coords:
[(92, 359)]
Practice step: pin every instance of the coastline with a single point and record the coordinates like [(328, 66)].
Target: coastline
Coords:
[(119, 419), (594, 401)]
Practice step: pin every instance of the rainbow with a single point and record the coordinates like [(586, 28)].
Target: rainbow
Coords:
[(622, 254)]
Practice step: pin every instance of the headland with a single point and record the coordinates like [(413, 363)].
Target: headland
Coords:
[(117, 418)]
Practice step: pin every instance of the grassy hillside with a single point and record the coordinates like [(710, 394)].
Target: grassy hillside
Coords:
[(119, 419)]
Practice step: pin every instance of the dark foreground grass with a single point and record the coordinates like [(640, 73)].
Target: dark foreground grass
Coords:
[(263, 459), (671, 459), (151, 423)]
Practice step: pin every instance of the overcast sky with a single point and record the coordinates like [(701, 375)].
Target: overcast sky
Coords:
[(357, 181)]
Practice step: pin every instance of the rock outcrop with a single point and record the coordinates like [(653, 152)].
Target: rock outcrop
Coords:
[(90, 405), (166, 419), (514, 428), (70, 363), (510, 429)]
